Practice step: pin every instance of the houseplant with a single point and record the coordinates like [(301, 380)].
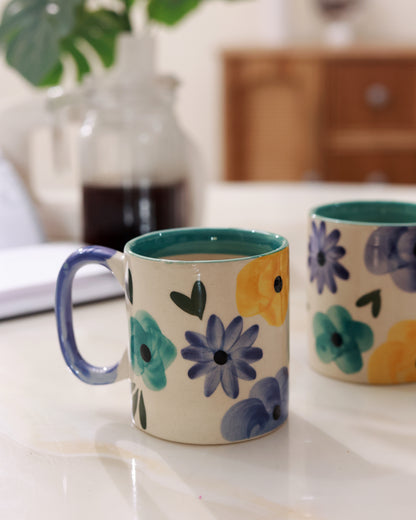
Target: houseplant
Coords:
[(135, 172), (38, 36)]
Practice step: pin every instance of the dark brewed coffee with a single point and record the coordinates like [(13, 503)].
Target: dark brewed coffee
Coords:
[(113, 215)]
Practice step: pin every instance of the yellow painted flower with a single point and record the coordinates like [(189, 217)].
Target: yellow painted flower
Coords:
[(395, 360), (263, 288)]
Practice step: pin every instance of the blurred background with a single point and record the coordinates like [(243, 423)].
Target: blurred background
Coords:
[(266, 91), (192, 50)]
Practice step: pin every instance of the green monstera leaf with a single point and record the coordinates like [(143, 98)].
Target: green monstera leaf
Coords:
[(38, 34), (170, 12), (31, 31), (100, 30)]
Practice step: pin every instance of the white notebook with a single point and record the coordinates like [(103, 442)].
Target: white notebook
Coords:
[(28, 279)]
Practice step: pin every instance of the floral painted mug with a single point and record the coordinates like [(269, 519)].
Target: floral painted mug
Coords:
[(362, 291), (208, 322)]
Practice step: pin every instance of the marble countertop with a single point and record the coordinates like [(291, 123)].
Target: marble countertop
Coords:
[(68, 450)]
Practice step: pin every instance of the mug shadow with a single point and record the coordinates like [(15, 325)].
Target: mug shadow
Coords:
[(268, 477)]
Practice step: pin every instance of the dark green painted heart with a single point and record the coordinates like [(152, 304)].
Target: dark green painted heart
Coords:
[(373, 297), (194, 305), (142, 409), (142, 412)]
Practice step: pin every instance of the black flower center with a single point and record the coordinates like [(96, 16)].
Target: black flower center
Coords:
[(220, 357), (321, 258), (336, 339), (278, 284), (145, 353), (276, 412)]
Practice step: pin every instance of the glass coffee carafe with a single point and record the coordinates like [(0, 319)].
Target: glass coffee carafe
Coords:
[(136, 169)]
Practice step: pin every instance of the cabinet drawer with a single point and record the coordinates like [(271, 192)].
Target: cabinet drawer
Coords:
[(371, 95), (384, 166)]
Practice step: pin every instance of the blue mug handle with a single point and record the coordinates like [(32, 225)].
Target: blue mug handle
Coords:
[(115, 262)]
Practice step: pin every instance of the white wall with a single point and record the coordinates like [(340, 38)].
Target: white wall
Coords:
[(381, 21), (192, 51)]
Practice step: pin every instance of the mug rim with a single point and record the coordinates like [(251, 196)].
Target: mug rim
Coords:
[(400, 207), (239, 237)]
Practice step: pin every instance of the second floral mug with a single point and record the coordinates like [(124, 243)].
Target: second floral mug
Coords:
[(208, 323), (362, 291)]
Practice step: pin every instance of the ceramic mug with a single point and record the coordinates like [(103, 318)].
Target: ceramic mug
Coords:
[(362, 291), (208, 322)]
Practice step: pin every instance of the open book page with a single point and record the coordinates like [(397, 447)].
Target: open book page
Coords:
[(28, 278)]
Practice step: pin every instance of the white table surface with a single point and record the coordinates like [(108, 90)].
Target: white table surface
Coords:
[(69, 451)]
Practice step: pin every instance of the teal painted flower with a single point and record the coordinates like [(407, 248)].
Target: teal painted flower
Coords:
[(341, 339), (151, 352)]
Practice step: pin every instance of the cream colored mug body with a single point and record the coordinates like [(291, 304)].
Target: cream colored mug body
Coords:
[(208, 327), (362, 291)]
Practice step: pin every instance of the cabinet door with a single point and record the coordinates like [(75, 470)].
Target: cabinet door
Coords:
[(371, 94), (271, 118), (371, 166)]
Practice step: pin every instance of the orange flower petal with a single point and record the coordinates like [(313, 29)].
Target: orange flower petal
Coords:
[(395, 360), (403, 331), (256, 292)]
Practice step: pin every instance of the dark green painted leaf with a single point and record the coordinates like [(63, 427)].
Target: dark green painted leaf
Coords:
[(199, 297), (142, 412), (194, 305), (373, 297), (134, 402), (170, 12), (129, 286)]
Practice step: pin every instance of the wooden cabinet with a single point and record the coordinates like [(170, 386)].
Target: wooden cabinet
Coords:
[(336, 115)]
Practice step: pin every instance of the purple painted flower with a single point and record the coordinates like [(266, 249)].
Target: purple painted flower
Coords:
[(223, 355), (324, 254), (392, 250), (265, 409)]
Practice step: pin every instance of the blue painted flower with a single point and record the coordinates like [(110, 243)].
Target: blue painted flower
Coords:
[(340, 339), (392, 250), (223, 355), (151, 352), (265, 409), (324, 254)]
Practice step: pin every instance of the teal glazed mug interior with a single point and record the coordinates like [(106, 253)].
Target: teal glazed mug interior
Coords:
[(208, 324), (362, 291)]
